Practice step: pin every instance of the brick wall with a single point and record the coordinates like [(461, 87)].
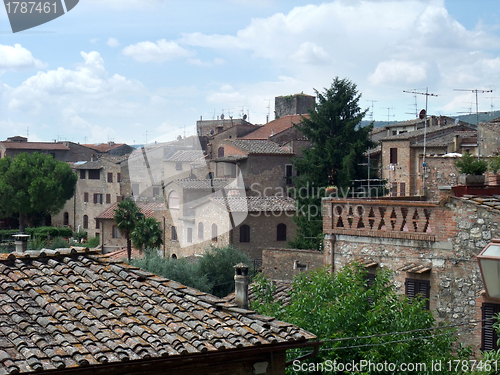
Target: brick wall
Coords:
[(284, 264), (440, 172)]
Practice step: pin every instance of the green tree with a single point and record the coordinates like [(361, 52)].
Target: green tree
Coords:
[(34, 184), (357, 322), (147, 234), (127, 215), (338, 145)]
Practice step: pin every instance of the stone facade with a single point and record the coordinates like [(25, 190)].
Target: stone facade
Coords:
[(285, 264), (418, 241), (297, 104)]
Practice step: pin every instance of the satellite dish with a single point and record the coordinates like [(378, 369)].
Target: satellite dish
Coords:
[(212, 132), (222, 116), (456, 121), (422, 114), (244, 117)]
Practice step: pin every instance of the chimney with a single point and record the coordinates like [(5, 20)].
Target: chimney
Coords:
[(241, 285), (21, 242)]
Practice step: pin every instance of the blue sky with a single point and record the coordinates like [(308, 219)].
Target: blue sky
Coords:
[(131, 70)]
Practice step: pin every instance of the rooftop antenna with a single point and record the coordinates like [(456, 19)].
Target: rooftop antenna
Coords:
[(492, 107), (27, 132), (423, 114), (389, 113), (147, 136), (476, 91), (415, 104), (371, 113), (268, 109)]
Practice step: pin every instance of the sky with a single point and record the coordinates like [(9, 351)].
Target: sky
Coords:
[(139, 71)]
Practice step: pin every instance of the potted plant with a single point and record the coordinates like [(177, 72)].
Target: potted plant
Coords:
[(332, 189), (471, 170), (493, 168)]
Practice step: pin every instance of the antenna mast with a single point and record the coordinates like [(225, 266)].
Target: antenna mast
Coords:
[(371, 113)]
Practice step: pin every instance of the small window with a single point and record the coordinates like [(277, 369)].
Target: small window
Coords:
[(244, 233), (173, 236), (98, 198), (214, 232), (414, 287), (66, 218), (108, 198), (85, 222), (200, 231), (220, 152), (82, 174), (288, 174), (178, 166), (156, 191), (118, 177), (393, 156), (110, 177), (94, 174), (116, 232), (97, 224), (85, 197), (189, 235), (173, 200), (135, 190), (281, 232)]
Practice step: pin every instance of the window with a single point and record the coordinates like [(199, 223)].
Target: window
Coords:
[(173, 235), (118, 177), (189, 235), (244, 233), (82, 174), (85, 197), (66, 219), (288, 174), (393, 156), (116, 232), (394, 189), (281, 232), (220, 152), (85, 222), (98, 198), (94, 174), (214, 232), (414, 287), (402, 189), (173, 200), (156, 191), (108, 198), (489, 338), (135, 190), (178, 166), (97, 224), (200, 230), (110, 177)]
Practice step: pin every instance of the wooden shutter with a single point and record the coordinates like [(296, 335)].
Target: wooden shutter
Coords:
[(489, 338), (414, 287)]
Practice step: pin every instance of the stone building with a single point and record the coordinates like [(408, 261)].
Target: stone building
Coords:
[(111, 148), (431, 246), (489, 137), (297, 104)]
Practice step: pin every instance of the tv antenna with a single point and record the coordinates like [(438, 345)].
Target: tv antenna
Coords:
[(423, 115), (389, 113), (476, 91), (268, 109), (371, 113)]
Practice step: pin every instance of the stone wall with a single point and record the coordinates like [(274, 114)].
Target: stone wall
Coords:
[(284, 264), (441, 171), (297, 104)]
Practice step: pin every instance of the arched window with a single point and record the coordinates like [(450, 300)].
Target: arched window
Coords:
[(220, 152), (173, 200), (281, 232), (66, 218), (85, 222), (200, 230), (214, 232), (244, 233), (174, 256)]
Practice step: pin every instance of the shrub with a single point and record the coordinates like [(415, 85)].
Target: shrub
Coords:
[(80, 235), (495, 164), (58, 243), (93, 242), (468, 164)]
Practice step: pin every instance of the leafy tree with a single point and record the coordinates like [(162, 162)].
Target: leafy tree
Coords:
[(127, 215), (34, 184), (147, 234), (338, 144), (357, 322)]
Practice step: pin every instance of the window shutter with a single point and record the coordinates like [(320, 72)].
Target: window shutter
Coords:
[(414, 287), (489, 338)]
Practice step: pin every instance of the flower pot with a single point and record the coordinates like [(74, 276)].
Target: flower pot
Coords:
[(494, 180), (471, 180), (331, 190)]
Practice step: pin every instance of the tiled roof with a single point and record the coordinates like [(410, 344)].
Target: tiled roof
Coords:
[(445, 139), (216, 183), (96, 164), (488, 202), (257, 204), (122, 254), (430, 130), (34, 146), (281, 293), (275, 127), (186, 155), (104, 147), (258, 146), (148, 209), (67, 310), (230, 158)]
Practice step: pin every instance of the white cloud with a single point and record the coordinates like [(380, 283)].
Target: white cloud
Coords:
[(17, 57), (158, 52), (398, 72), (214, 62), (310, 53), (113, 42)]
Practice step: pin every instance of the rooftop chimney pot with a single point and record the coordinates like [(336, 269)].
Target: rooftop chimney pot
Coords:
[(241, 285)]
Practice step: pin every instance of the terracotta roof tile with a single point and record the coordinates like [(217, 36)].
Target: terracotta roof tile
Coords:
[(259, 146), (275, 127), (83, 309), (257, 204), (281, 292), (34, 146), (186, 155), (148, 209)]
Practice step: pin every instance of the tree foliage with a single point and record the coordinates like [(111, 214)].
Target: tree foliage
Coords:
[(34, 184), (341, 306), (147, 234), (338, 144), (127, 215)]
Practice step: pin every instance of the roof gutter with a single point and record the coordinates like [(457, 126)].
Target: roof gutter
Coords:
[(314, 353)]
